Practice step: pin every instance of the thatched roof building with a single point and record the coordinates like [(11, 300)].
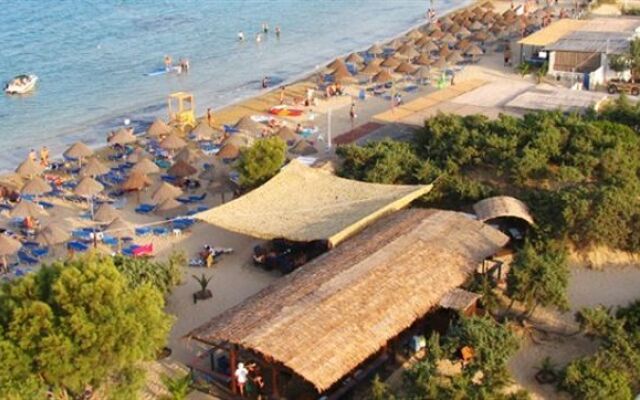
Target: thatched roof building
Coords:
[(500, 207), (324, 320), (305, 204)]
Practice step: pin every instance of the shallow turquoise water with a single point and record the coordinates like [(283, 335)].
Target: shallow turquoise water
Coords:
[(91, 56)]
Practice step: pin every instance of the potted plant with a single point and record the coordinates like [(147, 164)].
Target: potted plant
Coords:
[(203, 293)]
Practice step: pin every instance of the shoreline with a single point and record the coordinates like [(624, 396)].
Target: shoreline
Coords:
[(99, 145)]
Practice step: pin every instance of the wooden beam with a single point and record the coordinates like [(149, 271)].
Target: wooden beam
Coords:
[(274, 382), (233, 360)]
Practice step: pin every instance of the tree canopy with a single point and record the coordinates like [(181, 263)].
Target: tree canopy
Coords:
[(258, 163), (76, 324)]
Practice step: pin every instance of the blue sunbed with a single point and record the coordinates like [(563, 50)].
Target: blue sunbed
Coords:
[(143, 231), (145, 208), (77, 246)]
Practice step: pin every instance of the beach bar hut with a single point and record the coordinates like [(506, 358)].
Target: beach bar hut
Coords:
[(291, 329)]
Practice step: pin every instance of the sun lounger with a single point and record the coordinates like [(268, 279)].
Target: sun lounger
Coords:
[(45, 204), (77, 246), (143, 231), (82, 234), (40, 252), (169, 178), (230, 129), (26, 258), (411, 88), (110, 240), (138, 251), (145, 208), (164, 164), (161, 231)]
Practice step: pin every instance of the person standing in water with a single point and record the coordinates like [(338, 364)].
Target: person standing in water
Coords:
[(277, 31), (241, 36), (168, 62), (265, 82), (265, 27), (258, 37)]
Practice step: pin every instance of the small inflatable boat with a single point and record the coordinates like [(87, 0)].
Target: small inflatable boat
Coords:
[(285, 111), (21, 84)]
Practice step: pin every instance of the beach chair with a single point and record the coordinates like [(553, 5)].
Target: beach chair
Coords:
[(145, 208), (40, 252), (110, 240), (82, 234), (169, 178), (164, 164), (143, 231), (146, 250), (78, 247), (119, 204), (161, 231), (198, 198), (46, 205), (26, 258), (230, 129)]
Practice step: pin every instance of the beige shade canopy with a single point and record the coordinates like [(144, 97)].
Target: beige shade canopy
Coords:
[(422, 73), (137, 155), (375, 49), (165, 191), (337, 63), (122, 136), (354, 58), (181, 169), (146, 166), (8, 245), (172, 142), (248, 125), (203, 131), (190, 156), (501, 207), (395, 43), (405, 68), (285, 133), (423, 59), (94, 167), (303, 204), (29, 167), (105, 213), (26, 209), (371, 69), (171, 208), (303, 148), (390, 62), (474, 50), (439, 63), (382, 77), (51, 235), (119, 228), (88, 187), (78, 150), (158, 128), (36, 187), (229, 151), (136, 181), (454, 57)]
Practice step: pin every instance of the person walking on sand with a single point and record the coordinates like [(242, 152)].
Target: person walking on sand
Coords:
[(210, 120), (352, 114), (282, 89), (241, 374)]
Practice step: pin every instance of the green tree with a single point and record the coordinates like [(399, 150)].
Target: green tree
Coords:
[(587, 379), (178, 386), (380, 390), (258, 163), (76, 324), (539, 276)]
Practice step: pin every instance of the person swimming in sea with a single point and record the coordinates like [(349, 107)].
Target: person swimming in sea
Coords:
[(241, 36)]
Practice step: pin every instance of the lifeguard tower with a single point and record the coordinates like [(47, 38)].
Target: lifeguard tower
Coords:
[(181, 107)]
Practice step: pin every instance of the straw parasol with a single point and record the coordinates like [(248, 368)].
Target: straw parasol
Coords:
[(410, 53), (285, 133), (78, 150), (88, 187), (437, 35), (158, 128), (464, 44), (51, 235), (136, 181), (342, 76), (354, 58), (122, 136), (36, 187), (439, 63), (137, 155), (370, 69), (405, 68), (228, 152), (181, 169), (248, 125), (455, 57), (477, 26), (454, 29), (394, 44), (480, 36), (165, 191), (444, 51), (448, 39), (463, 32), (422, 41), (29, 168), (390, 62), (119, 228), (191, 156), (203, 131), (173, 142), (375, 49), (383, 77), (8, 246), (171, 208), (415, 34), (105, 213), (94, 167), (430, 47), (474, 50), (422, 73), (303, 148), (424, 59), (337, 63), (26, 209), (146, 166)]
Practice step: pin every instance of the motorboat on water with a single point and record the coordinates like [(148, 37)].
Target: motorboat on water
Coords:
[(21, 84)]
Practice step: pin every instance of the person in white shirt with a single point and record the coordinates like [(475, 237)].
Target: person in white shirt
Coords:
[(241, 375)]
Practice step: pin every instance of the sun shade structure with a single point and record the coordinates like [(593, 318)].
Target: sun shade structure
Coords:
[(29, 209), (136, 181), (190, 156), (354, 58), (119, 228), (146, 166), (181, 169), (500, 207), (78, 150), (8, 245), (165, 191), (51, 235), (88, 187), (285, 133), (106, 213), (158, 128), (304, 204), (29, 167), (122, 136), (375, 49), (324, 320), (173, 142), (248, 125), (383, 77), (303, 148), (553, 32), (94, 167), (203, 131), (36, 187)]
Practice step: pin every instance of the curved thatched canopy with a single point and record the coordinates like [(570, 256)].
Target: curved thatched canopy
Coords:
[(293, 205), (27, 209), (189, 155), (78, 150), (354, 58), (500, 207), (94, 167), (36, 187), (285, 133), (158, 128), (375, 49), (405, 68), (29, 167), (346, 305), (88, 187)]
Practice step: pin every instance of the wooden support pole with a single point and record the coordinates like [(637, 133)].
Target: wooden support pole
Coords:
[(274, 382), (233, 361)]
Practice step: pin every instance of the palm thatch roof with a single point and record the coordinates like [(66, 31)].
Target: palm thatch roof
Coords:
[(29, 167), (285, 133), (390, 62), (88, 187), (337, 63), (502, 206), (405, 68), (229, 151), (119, 228), (51, 235), (203, 131), (422, 73), (181, 169), (165, 191), (344, 306), (145, 166), (136, 181), (171, 208), (27, 209), (122, 136), (458, 299), (474, 50), (158, 128), (105, 213), (383, 76), (371, 69), (303, 148), (94, 167), (78, 150), (303, 204), (36, 187), (136, 155), (189, 155), (375, 49), (354, 58), (424, 59), (8, 245), (248, 125), (173, 142)]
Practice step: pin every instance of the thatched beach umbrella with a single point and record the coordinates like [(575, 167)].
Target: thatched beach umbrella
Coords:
[(370, 69), (136, 155), (463, 33), (158, 128), (190, 156), (119, 228), (228, 152), (337, 63), (342, 76), (94, 167), (423, 59), (455, 57), (394, 44), (440, 63), (145, 166), (463, 45), (411, 53), (383, 77), (122, 136), (375, 49), (422, 41), (422, 73), (51, 235), (136, 181), (165, 191), (474, 50), (436, 35), (248, 125), (448, 39), (29, 168), (454, 29), (88, 187), (173, 142), (106, 213), (285, 133), (487, 5), (36, 187), (29, 209), (171, 208), (444, 52), (203, 131), (390, 62), (8, 247), (78, 151), (354, 58), (405, 68), (181, 169), (303, 148), (430, 47), (477, 26)]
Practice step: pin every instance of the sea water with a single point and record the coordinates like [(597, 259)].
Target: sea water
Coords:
[(92, 56)]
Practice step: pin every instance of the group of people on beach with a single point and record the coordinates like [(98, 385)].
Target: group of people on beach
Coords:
[(44, 156), (264, 30), (183, 64)]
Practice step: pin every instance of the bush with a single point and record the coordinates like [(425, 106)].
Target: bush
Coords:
[(258, 163), (586, 379)]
